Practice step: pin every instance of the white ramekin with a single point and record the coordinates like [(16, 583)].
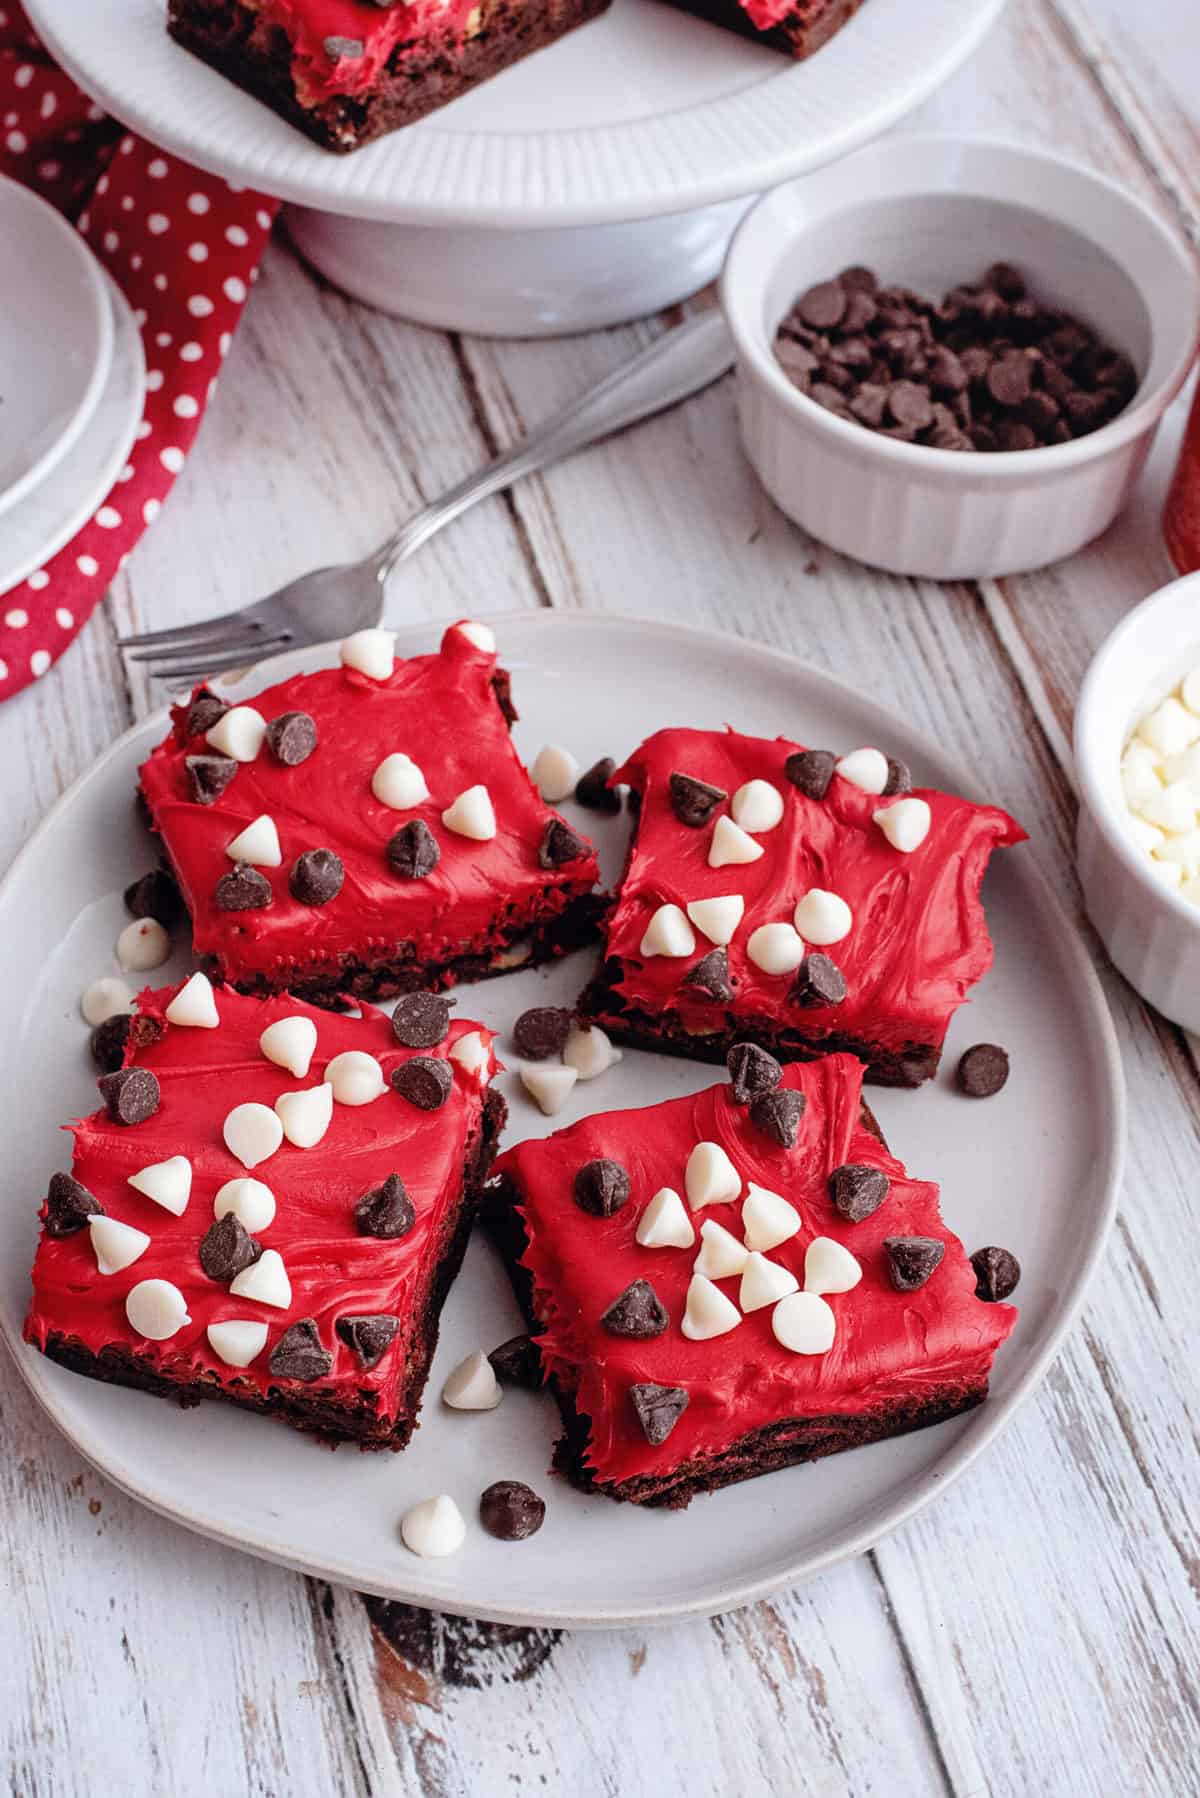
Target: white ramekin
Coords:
[(1152, 935), (927, 213)]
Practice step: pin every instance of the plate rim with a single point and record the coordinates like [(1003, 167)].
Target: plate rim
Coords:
[(987, 1421), (529, 176)]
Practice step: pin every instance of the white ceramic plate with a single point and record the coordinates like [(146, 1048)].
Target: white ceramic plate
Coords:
[(1035, 1169), (62, 504), (56, 340), (642, 112)]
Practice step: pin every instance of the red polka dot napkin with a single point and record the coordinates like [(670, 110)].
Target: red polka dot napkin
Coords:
[(184, 247)]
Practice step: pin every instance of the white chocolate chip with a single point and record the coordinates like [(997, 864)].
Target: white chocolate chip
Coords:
[(757, 806), (764, 1283), (555, 772), (718, 918), (481, 635), (664, 1224), (265, 1280), (252, 1133), (371, 652), (104, 999), (1183, 849), (252, 1203), (168, 1183), (708, 1312), (721, 1254), (1173, 809), (828, 1267), (710, 1178), (257, 845), (156, 1309), (399, 783), (1170, 727), (1190, 890), (356, 1078), (767, 1219), (731, 845), (143, 945), (290, 1043), (1146, 836), (550, 1087), (473, 1385), (472, 815), (116, 1246), (804, 1323), (434, 1528), (1142, 773), (823, 917), (237, 1341), (1189, 689), (589, 1051), (668, 933), (905, 824), (775, 948), (866, 769), (194, 1006), (305, 1115), (1184, 766), (1170, 874), (472, 1053), (239, 733)]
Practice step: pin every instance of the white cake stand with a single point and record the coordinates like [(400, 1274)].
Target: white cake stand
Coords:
[(596, 181)]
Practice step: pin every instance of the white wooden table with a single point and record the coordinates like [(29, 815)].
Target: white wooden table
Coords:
[(1037, 1630)]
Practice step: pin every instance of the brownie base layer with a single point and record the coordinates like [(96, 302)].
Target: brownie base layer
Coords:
[(332, 1419), (228, 36), (800, 33), (601, 1003), (783, 1444)]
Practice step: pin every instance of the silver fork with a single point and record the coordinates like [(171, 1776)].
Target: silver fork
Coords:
[(333, 602)]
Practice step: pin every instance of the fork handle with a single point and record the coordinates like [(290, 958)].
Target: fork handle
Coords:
[(679, 363)]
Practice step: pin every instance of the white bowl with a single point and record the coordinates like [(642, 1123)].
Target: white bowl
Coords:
[(1151, 934), (927, 213)]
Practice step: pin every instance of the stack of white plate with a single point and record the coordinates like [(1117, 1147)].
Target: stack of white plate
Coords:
[(72, 383)]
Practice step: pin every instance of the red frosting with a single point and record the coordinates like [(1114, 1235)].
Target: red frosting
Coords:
[(334, 1270), (439, 709), (890, 1347), (918, 940), (313, 28)]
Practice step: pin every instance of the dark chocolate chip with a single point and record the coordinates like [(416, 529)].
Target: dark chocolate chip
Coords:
[(511, 1511), (338, 47), (811, 770), (227, 1249), (899, 780), (819, 982), (777, 1115), (107, 1043), (369, 1338), (857, 1191), (1009, 381), (68, 1206), (711, 976), (292, 737), (131, 1095), (601, 1188), (155, 896), (869, 404), (946, 372), (205, 711), (592, 789), (910, 405), (857, 279), (752, 1071), (823, 306), (1011, 434), (637, 1312), (413, 852), (425, 1081), (1008, 281), (421, 1020), (209, 775), (997, 1274), (861, 310), (517, 1363), (316, 877), (386, 1211), (982, 1070), (298, 1354), (242, 889), (659, 1409), (693, 801), (911, 1260), (541, 1032), (560, 845)]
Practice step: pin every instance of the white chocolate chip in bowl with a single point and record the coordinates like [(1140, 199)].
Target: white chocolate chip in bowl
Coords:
[(252, 1133), (143, 945), (237, 1341), (1173, 809), (1189, 690), (257, 845), (775, 948), (434, 1528), (710, 1177), (239, 733), (905, 823), (472, 815), (731, 845), (757, 806), (721, 1254), (1142, 773), (105, 998), (398, 783), (194, 1006), (804, 1323), (356, 1078), (764, 1282), (665, 1224), (115, 1245), (708, 1312), (305, 1115), (265, 1281), (829, 1267), (290, 1043), (822, 917), (1170, 727), (472, 1386), (1184, 849), (369, 652), (668, 933), (718, 918), (555, 772), (866, 769), (156, 1309), (168, 1183), (251, 1202)]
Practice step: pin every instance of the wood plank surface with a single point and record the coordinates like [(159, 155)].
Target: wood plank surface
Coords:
[(1036, 1631)]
